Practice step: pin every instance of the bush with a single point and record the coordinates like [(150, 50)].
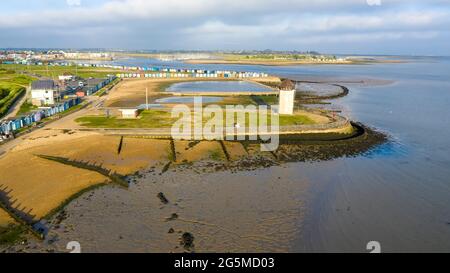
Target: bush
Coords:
[(3, 93), (14, 93), (11, 234)]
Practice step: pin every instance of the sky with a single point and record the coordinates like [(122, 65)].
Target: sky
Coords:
[(408, 27)]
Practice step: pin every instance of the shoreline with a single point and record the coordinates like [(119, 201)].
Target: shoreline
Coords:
[(74, 146), (314, 148), (294, 63)]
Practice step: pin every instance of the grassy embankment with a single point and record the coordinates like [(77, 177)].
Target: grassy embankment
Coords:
[(163, 119), (12, 87), (25, 108)]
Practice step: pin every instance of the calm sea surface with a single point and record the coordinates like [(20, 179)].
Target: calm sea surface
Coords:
[(399, 194)]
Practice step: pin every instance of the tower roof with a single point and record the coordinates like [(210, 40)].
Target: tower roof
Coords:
[(287, 85)]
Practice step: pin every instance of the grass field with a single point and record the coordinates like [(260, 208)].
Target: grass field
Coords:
[(55, 71), (12, 87), (163, 119), (148, 119)]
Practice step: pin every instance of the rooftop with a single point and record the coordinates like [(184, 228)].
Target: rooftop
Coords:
[(287, 85), (43, 85)]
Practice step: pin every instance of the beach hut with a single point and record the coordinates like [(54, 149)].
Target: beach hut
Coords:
[(37, 116)]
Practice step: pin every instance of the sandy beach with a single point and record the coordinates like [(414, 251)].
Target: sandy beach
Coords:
[(225, 212)]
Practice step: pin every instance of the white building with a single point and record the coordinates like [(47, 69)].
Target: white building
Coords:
[(65, 77), (287, 98), (129, 113), (287, 102), (44, 92)]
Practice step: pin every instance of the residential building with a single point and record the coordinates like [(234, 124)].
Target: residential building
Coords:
[(44, 92)]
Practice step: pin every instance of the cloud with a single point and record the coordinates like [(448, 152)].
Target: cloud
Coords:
[(224, 24), (72, 3)]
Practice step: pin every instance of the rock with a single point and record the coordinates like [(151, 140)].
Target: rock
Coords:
[(187, 241), (173, 217), (163, 198)]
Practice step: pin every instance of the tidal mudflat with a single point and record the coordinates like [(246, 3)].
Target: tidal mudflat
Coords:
[(230, 197)]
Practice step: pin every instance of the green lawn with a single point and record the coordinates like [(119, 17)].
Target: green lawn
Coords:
[(147, 119), (295, 120), (26, 108), (55, 71), (163, 119)]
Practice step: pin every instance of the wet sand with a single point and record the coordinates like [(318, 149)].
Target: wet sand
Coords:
[(42, 185), (256, 211)]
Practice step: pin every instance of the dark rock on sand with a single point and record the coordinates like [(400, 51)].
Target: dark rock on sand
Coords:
[(187, 241), (173, 217), (163, 198)]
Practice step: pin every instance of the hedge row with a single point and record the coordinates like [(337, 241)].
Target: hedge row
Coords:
[(14, 94)]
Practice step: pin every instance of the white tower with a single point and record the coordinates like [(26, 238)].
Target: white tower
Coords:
[(287, 102)]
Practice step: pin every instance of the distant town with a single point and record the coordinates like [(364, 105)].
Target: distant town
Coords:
[(268, 57)]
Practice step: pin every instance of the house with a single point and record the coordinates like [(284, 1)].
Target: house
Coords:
[(44, 92)]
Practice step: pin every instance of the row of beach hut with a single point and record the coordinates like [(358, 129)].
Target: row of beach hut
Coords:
[(203, 74), (9, 126), (99, 84), (160, 72)]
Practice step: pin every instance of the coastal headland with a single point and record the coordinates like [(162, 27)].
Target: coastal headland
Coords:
[(45, 170)]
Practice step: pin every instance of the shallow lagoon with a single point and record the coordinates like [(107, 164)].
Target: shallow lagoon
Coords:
[(218, 86), (189, 100)]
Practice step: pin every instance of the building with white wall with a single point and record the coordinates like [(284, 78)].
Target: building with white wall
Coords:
[(129, 113), (44, 92), (287, 98)]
